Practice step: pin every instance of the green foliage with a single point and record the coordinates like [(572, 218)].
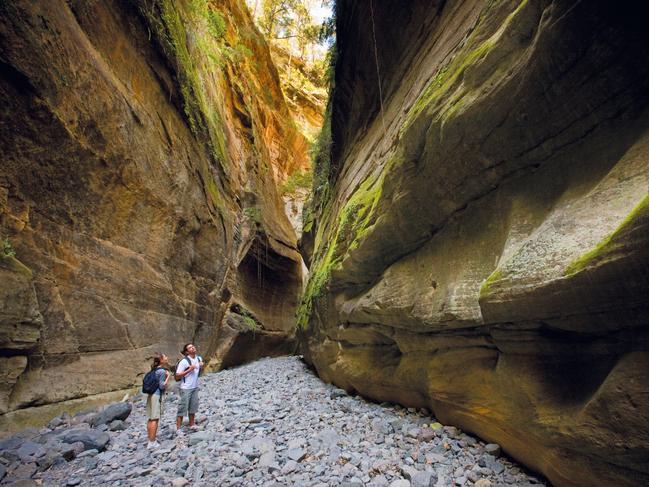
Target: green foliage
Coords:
[(288, 23), (249, 319), (236, 53), (7, 248), (8, 259), (251, 323), (321, 161), (282, 18), (171, 22), (253, 213), (216, 23), (298, 180), (268, 96)]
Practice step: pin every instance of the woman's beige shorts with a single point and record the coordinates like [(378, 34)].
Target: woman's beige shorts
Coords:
[(154, 406)]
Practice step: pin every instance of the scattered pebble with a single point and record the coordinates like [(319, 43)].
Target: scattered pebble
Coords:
[(268, 423)]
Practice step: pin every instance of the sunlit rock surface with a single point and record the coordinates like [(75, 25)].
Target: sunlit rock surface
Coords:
[(142, 145)]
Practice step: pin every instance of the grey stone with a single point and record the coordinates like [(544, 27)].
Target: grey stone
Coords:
[(88, 453), (112, 412), (297, 454), (289, 467), (435, 458), (67, 451), (407, 471), (73, 481), (423, 479), (23, 471), (30, 451), (296, 443), (50, 458), (199, 437), (473, 476), (492, 463), (266, 459), (341, 447), (493, 449), (82, 418), (451, 431), (89, 463), (55, 422), (413, 432), (11, 443), (28, 434), (10, 455), (337, 393), (426, 435), (90, 438)]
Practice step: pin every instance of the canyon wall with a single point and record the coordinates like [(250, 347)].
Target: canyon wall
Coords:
[(142, 145), (479, 240)]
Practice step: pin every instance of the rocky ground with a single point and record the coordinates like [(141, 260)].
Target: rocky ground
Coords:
[(272, 422)]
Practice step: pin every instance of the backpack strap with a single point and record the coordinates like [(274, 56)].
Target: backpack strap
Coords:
[(189, 363)]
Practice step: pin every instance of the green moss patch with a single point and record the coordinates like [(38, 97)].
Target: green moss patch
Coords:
[(298, 180), (248, 318), (355, 220), (495, 276), (451, 74), (611, 242)]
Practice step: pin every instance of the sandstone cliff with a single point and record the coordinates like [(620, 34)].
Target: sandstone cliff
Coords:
[(142, 146), (480, 241)]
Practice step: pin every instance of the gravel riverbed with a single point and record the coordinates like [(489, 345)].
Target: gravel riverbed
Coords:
[(271, 422)]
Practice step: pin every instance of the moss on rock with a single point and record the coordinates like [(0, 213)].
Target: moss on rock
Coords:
[(606, 246)]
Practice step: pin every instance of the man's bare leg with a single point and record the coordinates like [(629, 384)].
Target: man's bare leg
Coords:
[(191, 420)]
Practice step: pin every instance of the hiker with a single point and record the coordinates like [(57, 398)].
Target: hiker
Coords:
[(154, 400), (187, 372)]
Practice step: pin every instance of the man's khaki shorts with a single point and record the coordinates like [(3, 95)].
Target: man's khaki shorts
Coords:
[(188, 401), (154, 406)]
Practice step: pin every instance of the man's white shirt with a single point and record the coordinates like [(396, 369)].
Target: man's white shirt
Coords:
[(190, 381)]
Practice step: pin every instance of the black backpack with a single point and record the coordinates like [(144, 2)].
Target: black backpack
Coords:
[(150, 383), (189, 362)]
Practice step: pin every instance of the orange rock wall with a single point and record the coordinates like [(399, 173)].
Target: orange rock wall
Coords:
[(136, 207)]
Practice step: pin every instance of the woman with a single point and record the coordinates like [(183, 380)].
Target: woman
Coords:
[(154, 401)]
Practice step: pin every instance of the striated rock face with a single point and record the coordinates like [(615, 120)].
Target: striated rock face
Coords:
[(142, 144), (482, 246)]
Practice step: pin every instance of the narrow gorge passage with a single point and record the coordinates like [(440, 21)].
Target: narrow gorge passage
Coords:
[(273, 422)]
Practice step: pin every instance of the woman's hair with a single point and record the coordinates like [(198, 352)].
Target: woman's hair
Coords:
[(184, 351), (157, 358)]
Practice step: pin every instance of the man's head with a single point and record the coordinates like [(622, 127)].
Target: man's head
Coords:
[(189, 349)]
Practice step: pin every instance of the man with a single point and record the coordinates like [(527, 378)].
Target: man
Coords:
[(187, 373)]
